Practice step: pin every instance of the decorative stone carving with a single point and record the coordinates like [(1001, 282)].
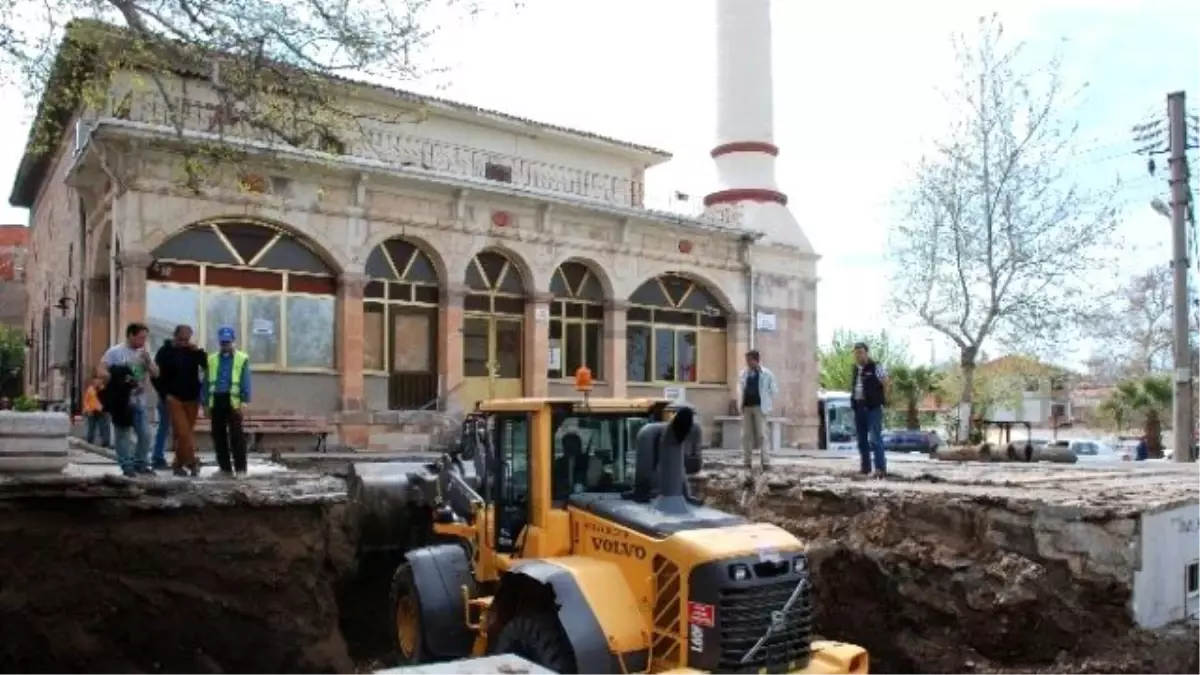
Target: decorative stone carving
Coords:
[(33, 442), (353, 284), (128, 260)]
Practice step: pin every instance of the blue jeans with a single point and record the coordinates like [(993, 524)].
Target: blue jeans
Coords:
[(97, 424), (163, 434), (868, 422), (133, 453)]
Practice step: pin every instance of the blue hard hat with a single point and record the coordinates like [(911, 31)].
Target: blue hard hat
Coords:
[(226, 334)]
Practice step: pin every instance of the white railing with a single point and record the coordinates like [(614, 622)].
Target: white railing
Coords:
[(377, 141)]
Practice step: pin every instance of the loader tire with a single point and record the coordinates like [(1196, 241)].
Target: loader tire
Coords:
[(538, 638), (408, 635)]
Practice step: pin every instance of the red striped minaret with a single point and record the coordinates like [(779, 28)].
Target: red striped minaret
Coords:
[(745, 152)]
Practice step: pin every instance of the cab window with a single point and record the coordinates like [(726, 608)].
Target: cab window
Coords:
[(511, 493), (593, 453)]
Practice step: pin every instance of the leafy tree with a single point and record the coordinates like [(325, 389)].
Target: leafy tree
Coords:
[(910, 386), (1147, 399), (837, 359), (12, 358), (1135, 324), (273, 70), (997, 236)]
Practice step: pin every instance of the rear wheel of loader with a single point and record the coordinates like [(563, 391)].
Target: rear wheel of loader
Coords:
[(406, 613), (538, 638)]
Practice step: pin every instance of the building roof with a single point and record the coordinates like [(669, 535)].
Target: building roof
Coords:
[(52, 119), (1016, 364), (14, 235)]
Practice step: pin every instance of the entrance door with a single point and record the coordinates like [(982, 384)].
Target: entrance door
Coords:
[(493, 347)]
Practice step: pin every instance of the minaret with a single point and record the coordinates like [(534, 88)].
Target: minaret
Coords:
[(745, 152)]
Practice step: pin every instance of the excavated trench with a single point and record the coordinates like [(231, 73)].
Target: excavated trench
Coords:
[(103, 576)]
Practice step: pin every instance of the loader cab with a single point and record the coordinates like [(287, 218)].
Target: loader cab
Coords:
[(546, 450)]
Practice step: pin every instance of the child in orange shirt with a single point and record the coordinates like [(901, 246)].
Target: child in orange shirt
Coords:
[(95, 419)]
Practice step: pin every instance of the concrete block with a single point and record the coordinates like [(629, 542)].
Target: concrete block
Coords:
[(33, 442)]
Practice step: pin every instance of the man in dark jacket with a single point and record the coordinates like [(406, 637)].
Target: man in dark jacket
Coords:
[(180, 366), (868, 400)]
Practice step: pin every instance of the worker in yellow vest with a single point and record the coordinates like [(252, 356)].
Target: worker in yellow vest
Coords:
[(226, 393)]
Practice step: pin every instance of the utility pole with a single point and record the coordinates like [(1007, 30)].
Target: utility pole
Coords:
[(1182, 419)]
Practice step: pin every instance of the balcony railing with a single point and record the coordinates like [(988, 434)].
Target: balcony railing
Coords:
[(378, 142)]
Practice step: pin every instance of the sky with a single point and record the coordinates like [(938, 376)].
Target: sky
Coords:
[(856, 102)]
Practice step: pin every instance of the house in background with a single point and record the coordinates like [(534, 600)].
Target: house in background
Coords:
[(1040, 392), (14, 242)]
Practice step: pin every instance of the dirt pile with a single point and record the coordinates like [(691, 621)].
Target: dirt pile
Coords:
[(934, 582), (106, 576)]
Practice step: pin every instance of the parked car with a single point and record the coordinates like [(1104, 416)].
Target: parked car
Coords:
[(910, 440), (1088, 451)]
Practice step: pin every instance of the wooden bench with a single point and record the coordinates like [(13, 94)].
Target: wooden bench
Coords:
[(258, 427)]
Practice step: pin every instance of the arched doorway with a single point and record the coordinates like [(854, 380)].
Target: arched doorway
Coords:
[(270, 286), (493, 322), (675, 333), (400, 305), (576, 322)]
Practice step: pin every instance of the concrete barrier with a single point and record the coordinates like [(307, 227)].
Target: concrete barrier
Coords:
[(33, 442)]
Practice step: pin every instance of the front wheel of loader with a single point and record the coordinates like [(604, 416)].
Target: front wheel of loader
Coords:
[(406, 617), (538, 638)]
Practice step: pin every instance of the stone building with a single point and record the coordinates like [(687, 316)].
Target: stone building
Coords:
[(472, 254)]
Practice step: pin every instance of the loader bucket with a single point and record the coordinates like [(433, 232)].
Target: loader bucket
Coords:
[(383, 502)]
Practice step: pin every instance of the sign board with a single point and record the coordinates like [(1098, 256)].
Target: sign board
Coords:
[(766, 322), (554, 362), (675, 394), (262, 327), (541, 313)]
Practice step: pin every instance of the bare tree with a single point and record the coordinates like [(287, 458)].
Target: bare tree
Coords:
[(1135, 329), (998, 238), (280, 69)]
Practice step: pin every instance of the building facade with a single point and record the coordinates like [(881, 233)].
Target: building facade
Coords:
[(1041, 393), (435, 263)]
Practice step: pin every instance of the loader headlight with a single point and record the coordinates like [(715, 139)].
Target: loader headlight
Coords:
[(739, 572), (800, 564)]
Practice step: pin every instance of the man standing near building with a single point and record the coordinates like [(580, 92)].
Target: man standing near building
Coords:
[(756, 392), (226, 393), (133, 355), (870, 396), (181, 364)]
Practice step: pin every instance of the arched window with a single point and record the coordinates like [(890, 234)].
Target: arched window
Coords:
[(675, 333), (400, 308), (270, 287), (576, 321)]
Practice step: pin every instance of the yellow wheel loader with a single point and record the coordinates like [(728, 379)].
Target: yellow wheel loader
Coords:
[(561, 531)]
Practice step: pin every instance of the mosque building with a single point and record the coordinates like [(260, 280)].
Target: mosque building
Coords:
[(426, 265)]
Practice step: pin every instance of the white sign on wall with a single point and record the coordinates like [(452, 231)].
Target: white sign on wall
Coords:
[(541, 313), (765, 321), (675, 394)]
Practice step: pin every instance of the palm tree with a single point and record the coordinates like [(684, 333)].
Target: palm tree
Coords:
[(911, 384), (1148, 398)]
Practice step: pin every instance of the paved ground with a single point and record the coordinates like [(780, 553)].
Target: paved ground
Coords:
[(1118, 486)]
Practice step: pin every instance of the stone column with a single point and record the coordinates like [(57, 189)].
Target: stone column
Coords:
[(353, 421), (96, 330), (450, 342), (132, 266), (350, 342), (615, 369), (738, 342), (537, 344)]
